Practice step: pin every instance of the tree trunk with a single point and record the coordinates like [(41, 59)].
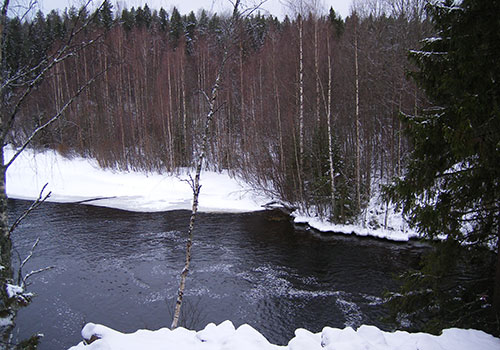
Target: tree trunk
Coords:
[(301, 97), (278, 114), (358, 151), (316, 68), (300, 160), (496, 295), (6, 259), (195, 185), (329, 125), (170, 116)]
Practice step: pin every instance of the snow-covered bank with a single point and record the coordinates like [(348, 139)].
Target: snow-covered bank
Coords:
[(380, 220), (226, 337), (80, 179), (358, 230)]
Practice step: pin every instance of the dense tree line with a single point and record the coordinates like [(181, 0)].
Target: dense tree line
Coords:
[(309, 105)]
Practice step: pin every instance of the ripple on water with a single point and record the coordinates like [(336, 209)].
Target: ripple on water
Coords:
[(122, 269)]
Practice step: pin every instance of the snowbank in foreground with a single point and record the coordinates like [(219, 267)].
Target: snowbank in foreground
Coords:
[(79, 179), (226, 337)]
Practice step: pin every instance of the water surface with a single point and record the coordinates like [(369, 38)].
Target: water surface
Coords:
[(121, 269)]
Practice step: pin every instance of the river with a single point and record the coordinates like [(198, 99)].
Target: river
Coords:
[(121, 269)]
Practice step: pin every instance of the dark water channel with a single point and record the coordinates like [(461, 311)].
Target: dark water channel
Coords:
[(121, 269)]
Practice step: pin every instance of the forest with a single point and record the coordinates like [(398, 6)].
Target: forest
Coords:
[(321, 112), (309, 106)]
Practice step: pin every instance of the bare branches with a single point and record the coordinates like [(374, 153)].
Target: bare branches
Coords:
[(28, 257), (53, 119), (27, 9), (35, 272), (21, 281), (303, 7), (23, 77), (191, 183), (41, 198)]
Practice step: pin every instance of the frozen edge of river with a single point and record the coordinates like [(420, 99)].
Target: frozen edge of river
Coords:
[(81, 180)]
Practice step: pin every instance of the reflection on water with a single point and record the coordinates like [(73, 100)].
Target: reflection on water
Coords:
[(121, 269)]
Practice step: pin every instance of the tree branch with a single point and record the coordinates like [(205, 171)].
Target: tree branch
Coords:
[(53, 119), (28, 257), (32, 207), (66, 51)]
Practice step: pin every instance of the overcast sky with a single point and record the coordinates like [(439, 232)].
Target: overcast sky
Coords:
[(274, 7)]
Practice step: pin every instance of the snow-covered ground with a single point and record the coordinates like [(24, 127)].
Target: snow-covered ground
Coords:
[(79, 179), (379, 220), (226, 337)]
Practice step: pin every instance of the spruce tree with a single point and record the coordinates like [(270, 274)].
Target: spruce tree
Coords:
[(105, 15), (163, 19), (452, 185), (176, 27)]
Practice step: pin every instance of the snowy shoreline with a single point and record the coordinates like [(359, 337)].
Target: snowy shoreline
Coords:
[(81, 180)]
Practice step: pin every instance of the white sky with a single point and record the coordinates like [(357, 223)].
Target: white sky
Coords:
[(275, 7)]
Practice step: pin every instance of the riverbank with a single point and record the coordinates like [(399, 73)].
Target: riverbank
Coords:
[(81, 180), (226, 336)]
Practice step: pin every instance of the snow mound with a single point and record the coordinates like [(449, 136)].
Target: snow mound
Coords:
[(226, 337)]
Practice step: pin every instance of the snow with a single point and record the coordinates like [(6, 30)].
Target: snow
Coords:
[(379, 220), (13, 290), (326, 226), (80, 179), (6, 321), (226, 337)]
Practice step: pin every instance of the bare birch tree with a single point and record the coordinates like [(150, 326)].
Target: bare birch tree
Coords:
[(195, 183), (329, 127), (195, 186)]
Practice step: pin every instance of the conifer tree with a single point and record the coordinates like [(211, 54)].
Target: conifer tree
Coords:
[(105, 16), (176, 26), (163, 19), (452, 185)]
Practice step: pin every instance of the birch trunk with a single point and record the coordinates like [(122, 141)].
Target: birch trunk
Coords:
[(329, 125), (301, 96), (316, 68), (278, 112), (195, 186), (358, 151)]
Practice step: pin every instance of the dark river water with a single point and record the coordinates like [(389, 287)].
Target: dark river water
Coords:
[(121, 269)]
